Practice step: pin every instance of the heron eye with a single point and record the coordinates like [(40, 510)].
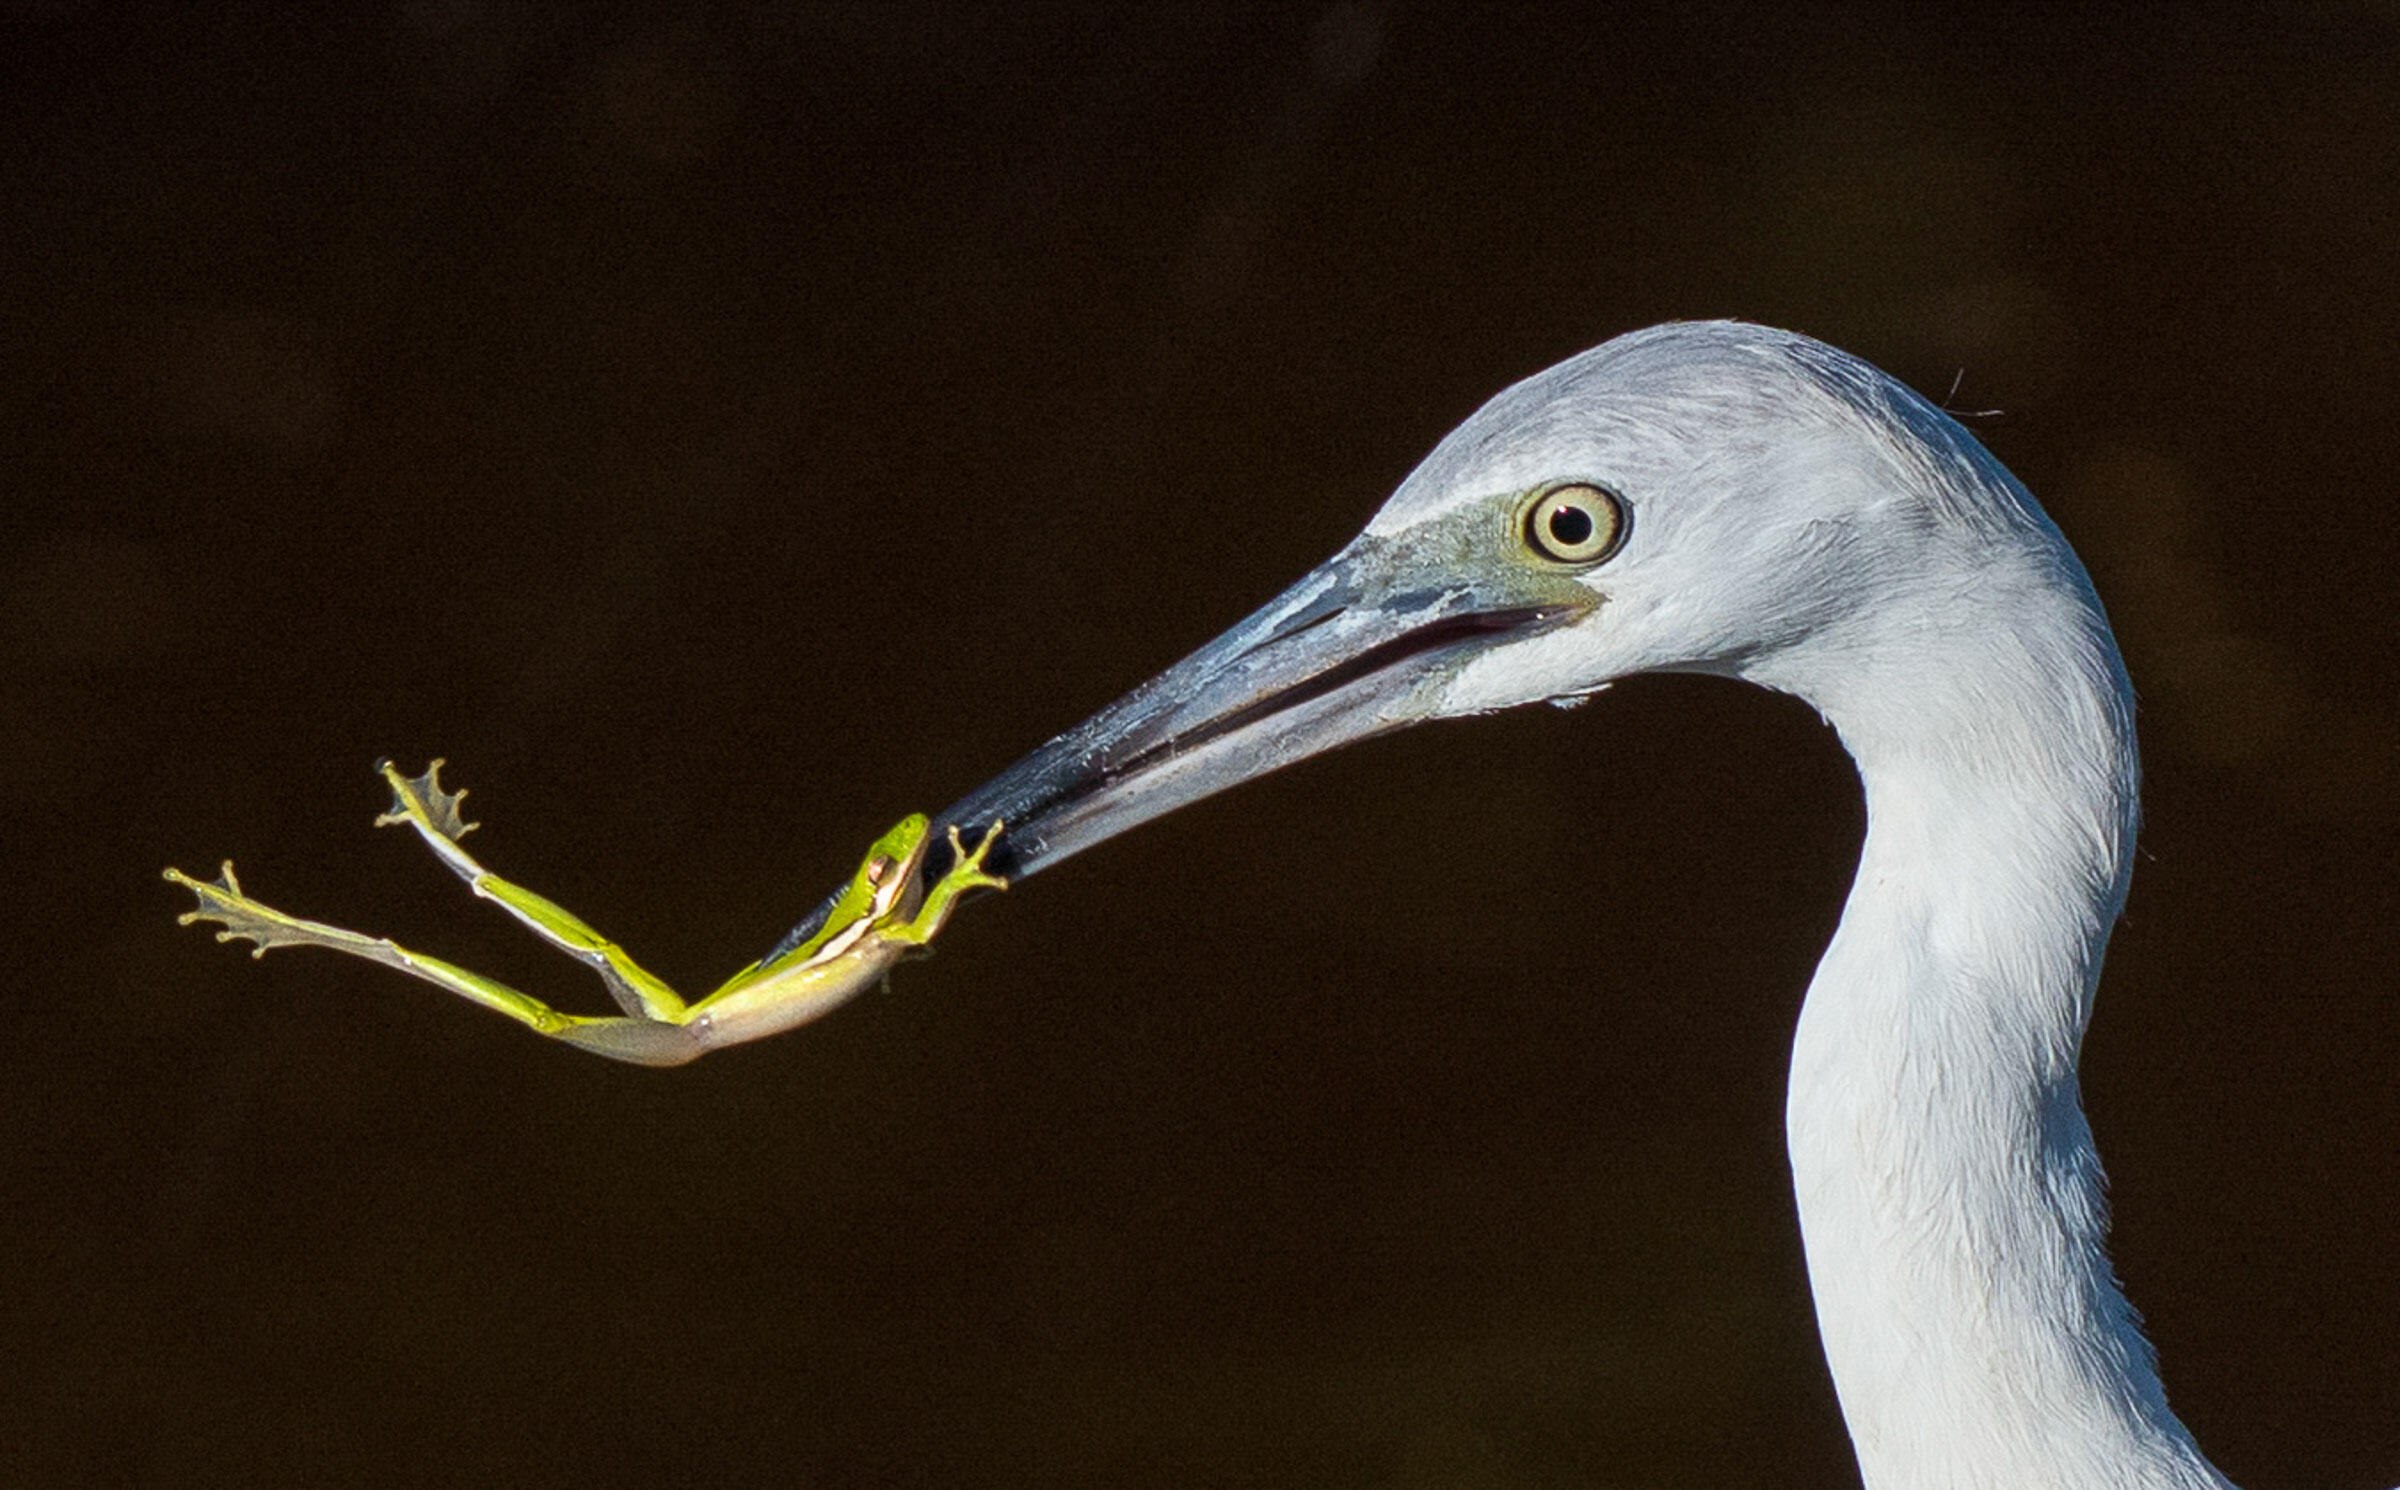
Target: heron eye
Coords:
[(1577, 523)]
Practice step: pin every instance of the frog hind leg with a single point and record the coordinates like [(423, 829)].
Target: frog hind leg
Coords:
[(639, 1040), (421, 803), (653, 1029)]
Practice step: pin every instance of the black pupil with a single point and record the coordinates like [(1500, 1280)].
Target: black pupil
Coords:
[(1571, 526)]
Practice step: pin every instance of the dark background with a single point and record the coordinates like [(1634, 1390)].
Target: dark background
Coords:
[(723, 431)]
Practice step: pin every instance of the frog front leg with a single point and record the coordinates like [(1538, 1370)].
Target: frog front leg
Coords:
[(851, 952)]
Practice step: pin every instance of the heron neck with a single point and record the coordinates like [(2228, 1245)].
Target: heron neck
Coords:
[(1950, 1194)]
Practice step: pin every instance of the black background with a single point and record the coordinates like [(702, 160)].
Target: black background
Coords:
[(722, 430)]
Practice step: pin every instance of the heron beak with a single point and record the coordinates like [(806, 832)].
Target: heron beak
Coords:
[(1360, 647)]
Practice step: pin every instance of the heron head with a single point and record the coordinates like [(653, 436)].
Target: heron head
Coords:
[(1696, 497)]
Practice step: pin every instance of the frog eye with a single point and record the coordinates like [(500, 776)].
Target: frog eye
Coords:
[(1575, 522)]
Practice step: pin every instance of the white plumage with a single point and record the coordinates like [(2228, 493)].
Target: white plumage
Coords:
[(1840, 540), (1798, 519)]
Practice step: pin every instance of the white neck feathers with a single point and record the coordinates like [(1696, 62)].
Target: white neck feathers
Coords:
[(1949, 1191)]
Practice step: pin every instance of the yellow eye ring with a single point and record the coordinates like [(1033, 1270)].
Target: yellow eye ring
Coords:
[(1575, 522)]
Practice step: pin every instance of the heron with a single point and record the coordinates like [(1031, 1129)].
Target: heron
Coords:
[(1709, 497), (1723, 498)]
